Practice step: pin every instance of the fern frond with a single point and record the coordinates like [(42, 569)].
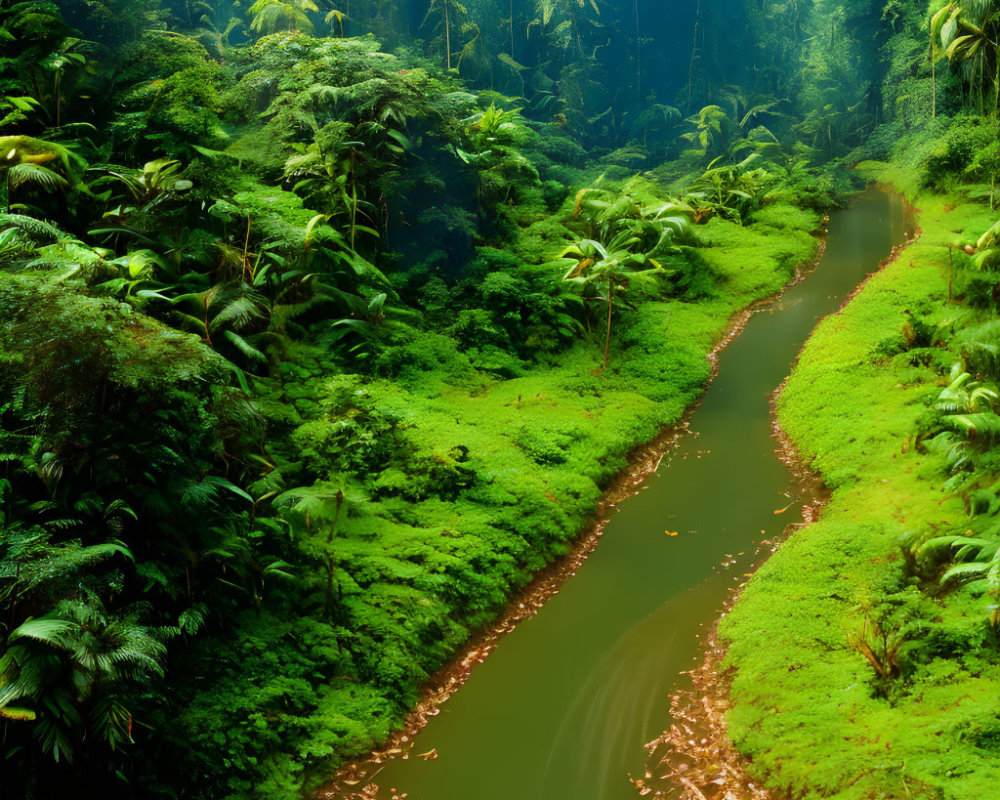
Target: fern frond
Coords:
[(42, 177), (52, 632), (35, 228), (245, 347), (965, 572), (239, 312)]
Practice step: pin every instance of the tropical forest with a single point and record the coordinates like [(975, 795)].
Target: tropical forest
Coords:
[(500, 399)]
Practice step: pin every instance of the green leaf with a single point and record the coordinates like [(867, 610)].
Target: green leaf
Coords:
[(20, 714), (46, 631)]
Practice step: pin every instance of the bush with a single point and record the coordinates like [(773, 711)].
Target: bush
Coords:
[(967, 138)]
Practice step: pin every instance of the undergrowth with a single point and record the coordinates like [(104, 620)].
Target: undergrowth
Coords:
[(858, 671)]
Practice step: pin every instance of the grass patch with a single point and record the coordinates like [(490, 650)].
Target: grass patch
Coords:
[(811, 711)]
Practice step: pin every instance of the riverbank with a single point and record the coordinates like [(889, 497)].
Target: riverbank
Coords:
[(853, 677), (642, 462)]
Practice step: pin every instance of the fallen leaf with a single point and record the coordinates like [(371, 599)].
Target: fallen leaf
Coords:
[(671, 533), (783, 510)]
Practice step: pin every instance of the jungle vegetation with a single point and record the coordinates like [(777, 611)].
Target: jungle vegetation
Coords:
[(323, 326), (885, 650)]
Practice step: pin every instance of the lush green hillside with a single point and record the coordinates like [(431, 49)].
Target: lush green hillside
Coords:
[(323, 329), (314, 353)]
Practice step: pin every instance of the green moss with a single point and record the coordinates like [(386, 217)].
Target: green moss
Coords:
[(415, 472), (785, 217), (477, 473), (809, 709)]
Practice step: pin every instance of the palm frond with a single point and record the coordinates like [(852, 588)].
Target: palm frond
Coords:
[(52, 632), (36, 175)]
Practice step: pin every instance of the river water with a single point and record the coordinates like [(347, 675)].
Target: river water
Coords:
[(561, 709)]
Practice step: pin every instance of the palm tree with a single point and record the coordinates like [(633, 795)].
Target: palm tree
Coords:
[(57, 63), (325, 506), (278, 15), (969, 34), (76, 665), (339, 16), (611, 271), (22, 159), (231, 309), (620, 248)]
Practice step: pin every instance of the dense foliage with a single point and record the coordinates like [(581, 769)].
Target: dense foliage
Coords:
[(885, 649), (322, 330)]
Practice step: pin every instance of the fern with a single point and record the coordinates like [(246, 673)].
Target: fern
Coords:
[(67, 252), (53, 632), (239, 312), (984, 426), (64, 563), (36, 228), (209, 489), (36, 175), (245, 347)]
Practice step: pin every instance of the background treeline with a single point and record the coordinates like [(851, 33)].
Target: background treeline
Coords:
[(323, 326)]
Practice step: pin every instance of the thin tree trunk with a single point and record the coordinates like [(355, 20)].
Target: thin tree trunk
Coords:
[(354, 200), (951, 270), (447, 37), (354, 213), (607, 338), (328, 610), (933, 77), (694, 53), (246, 261), (576, 28), (208, 336), (996, 82), (512, 28), (638, 53)]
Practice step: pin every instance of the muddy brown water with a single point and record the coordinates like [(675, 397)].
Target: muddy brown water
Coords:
[(563, 706)]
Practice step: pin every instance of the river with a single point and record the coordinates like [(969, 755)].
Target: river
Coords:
[(561, 709)]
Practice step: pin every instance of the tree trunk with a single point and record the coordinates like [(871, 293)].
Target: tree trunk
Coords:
[(933, 77), (354, 200), (638, 53), (512, 29), (694, 53), (996, 83), (447, 37), (576, 28), (607, 338), (328, 610), (951, 270)]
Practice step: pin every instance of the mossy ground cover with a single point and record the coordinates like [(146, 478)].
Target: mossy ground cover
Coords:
[(403, 287), (492, 479), (368, 237), (850, 678)]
